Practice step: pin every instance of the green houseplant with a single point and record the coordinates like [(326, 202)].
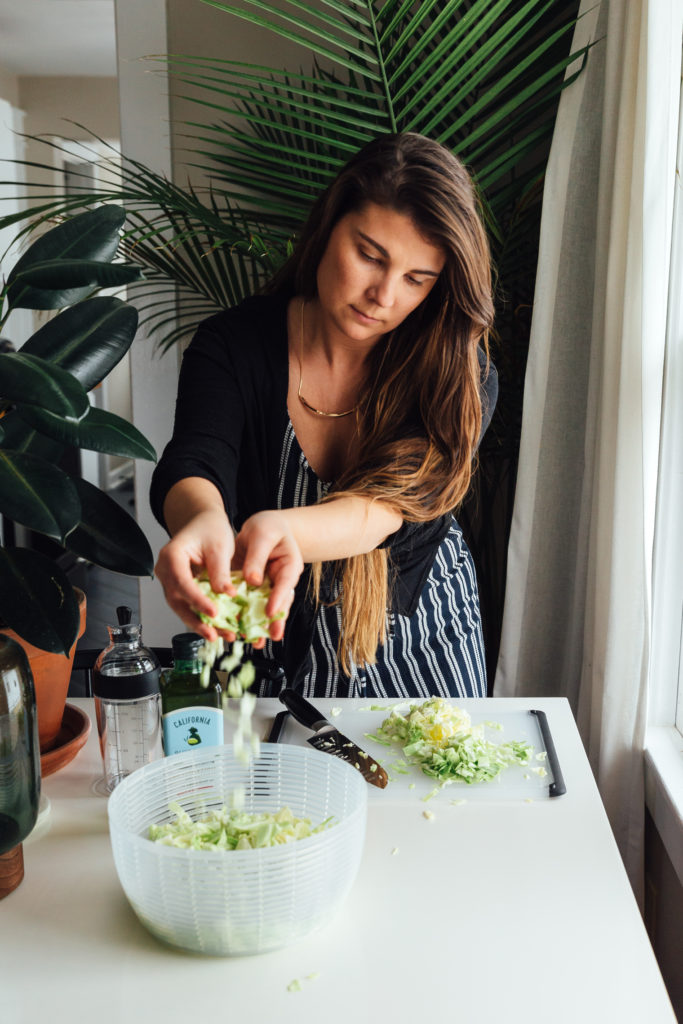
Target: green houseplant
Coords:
[(44, 409), (481, 76)]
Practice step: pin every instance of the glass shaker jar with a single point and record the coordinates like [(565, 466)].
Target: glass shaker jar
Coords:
[(19, 761), (127, 701)]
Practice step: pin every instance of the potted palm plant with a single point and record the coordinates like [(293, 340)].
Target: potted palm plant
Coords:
[(45, 411)]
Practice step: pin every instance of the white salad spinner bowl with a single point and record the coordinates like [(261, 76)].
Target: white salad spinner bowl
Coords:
[(230, 903)]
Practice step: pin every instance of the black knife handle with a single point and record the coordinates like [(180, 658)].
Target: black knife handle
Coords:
[(557, 786), (302, 710), (277, 727)]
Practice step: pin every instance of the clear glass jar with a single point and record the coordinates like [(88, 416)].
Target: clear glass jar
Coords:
[(126, 679)]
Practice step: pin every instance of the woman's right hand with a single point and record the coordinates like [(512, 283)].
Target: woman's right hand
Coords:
[(265, 547), (204, 545)]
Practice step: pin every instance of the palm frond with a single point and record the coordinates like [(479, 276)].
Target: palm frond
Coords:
[(481, 76), (467, 72)]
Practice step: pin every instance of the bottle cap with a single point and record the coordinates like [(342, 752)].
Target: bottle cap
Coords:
[(186, 646), (124, 614), (125, 670)]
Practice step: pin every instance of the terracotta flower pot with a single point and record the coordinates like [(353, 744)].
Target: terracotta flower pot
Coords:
[(51, 675)]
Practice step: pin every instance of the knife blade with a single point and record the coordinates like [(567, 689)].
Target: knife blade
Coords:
[(328, 738)]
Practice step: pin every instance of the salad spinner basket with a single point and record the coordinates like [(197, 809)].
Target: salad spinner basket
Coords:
[(229, 903)]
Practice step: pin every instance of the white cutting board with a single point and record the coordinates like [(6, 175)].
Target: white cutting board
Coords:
[(516, 783)]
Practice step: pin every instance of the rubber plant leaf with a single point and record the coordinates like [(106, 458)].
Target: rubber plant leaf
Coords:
[(37, 494), (87, 339), (99, 431), (93, 235), (20, 437), (108, 535), (28, 380), (54, 284), (37, 600)]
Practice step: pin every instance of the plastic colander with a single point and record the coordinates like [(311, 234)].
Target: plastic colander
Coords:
[(229, 903)]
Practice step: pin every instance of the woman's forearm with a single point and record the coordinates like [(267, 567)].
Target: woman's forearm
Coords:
[(341, 528), (187, 499), (203, 541)]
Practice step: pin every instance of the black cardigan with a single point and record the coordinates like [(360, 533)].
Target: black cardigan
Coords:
[(230, 420)]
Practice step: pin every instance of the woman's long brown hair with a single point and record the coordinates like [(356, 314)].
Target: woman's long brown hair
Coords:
[(419, 418)]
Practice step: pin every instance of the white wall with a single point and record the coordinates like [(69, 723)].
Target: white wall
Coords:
[(19, 324), (52, 102), (9, 87)]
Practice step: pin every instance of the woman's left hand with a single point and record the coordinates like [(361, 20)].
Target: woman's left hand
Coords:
[(265, 546)]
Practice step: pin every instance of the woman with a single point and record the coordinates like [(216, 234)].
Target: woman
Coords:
[(331, 424)]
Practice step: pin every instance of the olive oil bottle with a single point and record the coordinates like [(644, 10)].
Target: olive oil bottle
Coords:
[(192, 715)]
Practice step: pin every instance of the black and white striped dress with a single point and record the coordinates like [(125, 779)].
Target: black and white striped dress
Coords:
[(437, 651)]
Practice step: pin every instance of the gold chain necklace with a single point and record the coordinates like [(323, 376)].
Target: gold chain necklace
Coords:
[(307, 405)]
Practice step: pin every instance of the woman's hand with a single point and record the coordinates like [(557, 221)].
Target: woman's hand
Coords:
[(265, 546), (205, 544)]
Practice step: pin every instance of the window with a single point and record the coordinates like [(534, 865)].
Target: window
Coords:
[(666, 703), (664, 739)]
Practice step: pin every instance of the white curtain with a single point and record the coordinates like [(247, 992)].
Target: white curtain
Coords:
[(577, 608)]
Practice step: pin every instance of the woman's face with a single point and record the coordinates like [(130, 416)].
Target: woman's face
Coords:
[(377, 268)]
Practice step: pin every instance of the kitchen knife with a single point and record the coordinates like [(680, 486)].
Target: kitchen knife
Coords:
[(328, 739)]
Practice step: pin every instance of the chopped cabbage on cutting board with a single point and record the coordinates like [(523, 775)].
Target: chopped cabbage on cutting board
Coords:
[(441, 740)]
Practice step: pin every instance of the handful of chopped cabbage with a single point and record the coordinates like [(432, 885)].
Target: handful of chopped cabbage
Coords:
[(233, 829), (442, 741), (243, 613)]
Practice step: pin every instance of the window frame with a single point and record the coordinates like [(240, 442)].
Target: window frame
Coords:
[(666, 648), (663, 760)]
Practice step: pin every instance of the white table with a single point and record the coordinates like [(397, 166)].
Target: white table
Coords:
[(517, 912)]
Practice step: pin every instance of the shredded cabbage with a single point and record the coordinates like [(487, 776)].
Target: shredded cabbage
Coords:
[(243, 613), (233, 829), (442, 741)]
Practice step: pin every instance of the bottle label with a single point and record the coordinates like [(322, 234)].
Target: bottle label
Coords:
[(192, 728)]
